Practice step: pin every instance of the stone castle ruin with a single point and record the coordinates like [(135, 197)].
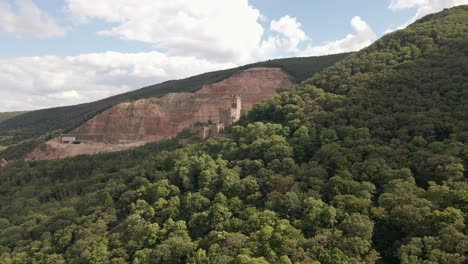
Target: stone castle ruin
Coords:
[(232, 113), (227, 116)]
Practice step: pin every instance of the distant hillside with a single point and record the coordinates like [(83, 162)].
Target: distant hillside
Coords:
[(7, 115), (26, 129), (362, 163)]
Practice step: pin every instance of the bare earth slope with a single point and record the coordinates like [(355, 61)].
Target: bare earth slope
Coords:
[(131, 124)]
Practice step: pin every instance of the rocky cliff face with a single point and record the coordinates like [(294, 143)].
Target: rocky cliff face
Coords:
[(131, 124), (160, 118)]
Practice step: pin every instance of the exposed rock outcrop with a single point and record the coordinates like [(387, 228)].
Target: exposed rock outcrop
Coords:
[(154, 119)]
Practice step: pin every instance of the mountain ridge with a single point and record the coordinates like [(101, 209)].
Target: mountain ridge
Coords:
[(26, 131)]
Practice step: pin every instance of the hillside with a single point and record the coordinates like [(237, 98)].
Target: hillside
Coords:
[(131, 124), (34, 127), (7, 115), (361, 163)]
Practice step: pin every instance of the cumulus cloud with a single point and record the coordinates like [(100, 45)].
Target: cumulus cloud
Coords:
[(290, 28), (286, 36), (39, 82), (29, 21), (424, 7), (363, 36), (227, 30)]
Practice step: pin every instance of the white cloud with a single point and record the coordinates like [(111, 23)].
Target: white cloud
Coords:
[(29, 21), (45, 81), (288, 34), (227, 30), (404, 4), (66, 95), (291, 29), (364, 35), (194, 40), (424, 7)]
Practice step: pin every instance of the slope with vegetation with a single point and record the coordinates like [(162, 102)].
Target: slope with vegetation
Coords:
[(7, 115), (25, 132), (362, 163)]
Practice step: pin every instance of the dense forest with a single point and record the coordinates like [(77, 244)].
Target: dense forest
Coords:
[(23, 133), (362, 163)]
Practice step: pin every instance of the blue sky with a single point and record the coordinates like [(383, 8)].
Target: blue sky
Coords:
[(322, 20), (329, 20), (61, 52)]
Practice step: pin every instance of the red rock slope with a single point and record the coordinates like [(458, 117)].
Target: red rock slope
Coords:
[(160, 118), (133, 123)]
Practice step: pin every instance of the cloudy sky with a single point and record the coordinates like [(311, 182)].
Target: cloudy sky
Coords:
[(62, 52)]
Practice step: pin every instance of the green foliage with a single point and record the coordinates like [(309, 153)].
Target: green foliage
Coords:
[(369, 169)]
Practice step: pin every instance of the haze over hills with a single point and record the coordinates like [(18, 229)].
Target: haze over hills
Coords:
[(363, 162)]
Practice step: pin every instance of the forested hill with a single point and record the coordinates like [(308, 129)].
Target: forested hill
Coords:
[(24, 132), (7, 115), (363, 163)]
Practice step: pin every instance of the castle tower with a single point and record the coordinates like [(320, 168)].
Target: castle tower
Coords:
[(231, 113), (236, 108)]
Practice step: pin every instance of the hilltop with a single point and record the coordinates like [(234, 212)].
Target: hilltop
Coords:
[(363, 162)]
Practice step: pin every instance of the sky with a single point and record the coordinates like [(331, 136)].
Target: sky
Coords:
[(64, 52)]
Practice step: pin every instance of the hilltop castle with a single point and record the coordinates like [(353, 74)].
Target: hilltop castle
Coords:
[(230, 114), (227, 116)]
